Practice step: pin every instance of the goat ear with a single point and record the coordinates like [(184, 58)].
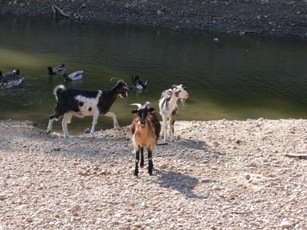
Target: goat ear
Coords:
[(174, 86), (134, 111)]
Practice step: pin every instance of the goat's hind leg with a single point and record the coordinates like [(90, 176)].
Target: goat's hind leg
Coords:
[(66, 119), (171, 124), (52, 118)]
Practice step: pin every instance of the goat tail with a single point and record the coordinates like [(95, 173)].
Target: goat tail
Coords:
[(58, 89)]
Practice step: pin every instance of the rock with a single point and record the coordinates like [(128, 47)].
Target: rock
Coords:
[(285, 224)]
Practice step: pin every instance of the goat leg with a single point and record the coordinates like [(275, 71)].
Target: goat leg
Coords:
[(113, 116), (95, 118), (150, 164), (65, 120), (164, 128), (142, 157), (51, 119), (171, 129), (137, 158)]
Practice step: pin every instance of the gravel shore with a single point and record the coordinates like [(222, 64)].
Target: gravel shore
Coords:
[(261, 17), (216, 175)]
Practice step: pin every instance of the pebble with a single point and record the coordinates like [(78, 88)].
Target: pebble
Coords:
[(285, 224)]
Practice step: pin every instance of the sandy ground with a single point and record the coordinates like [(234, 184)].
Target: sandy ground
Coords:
[(216, 175)]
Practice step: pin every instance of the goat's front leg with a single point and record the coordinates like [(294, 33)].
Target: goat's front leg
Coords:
[(164, 128), (113, 116), (150, 164), (95, 118), (142, 157), (137, 158)]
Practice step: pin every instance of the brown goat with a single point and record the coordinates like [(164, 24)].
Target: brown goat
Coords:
[(145, 129)]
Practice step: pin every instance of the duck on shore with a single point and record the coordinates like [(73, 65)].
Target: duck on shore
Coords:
[(77, 75), (56, 70)]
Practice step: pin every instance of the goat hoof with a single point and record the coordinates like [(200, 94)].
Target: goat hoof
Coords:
[(48, 131)]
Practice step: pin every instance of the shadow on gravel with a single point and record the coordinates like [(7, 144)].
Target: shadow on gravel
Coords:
[(179, 182), (193, 144), (190, 150)]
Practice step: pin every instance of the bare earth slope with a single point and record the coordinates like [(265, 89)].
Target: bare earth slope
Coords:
[(216, 175), (267, 17)]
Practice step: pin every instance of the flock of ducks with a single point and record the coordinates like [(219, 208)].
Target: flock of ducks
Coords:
[(61, 70), (12, 79), (138, 85)]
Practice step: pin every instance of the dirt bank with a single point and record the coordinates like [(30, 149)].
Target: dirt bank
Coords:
[(263, 17), (216, 175)]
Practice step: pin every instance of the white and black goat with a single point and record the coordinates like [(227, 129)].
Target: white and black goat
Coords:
[(80, 103), (145, 130), (168, 108)]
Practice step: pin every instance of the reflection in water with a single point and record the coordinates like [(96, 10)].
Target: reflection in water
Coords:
[(233, 77)]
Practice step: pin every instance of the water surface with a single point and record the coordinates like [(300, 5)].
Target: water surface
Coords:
[(228, 77)]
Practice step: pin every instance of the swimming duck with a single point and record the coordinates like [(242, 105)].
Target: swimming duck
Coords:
[(73, 76), (138, 84), (56, 70), (14, 84), (9, 75)]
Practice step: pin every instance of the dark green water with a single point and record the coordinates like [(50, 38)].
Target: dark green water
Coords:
[(235, 77)]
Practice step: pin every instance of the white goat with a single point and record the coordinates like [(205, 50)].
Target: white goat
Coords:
[(168, 108)]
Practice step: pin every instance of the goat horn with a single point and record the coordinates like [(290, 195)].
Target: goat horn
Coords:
[(114, 78), (119, 80), (147, 104), (137, 104)]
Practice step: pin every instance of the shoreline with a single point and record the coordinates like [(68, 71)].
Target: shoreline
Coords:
[(259, 17)]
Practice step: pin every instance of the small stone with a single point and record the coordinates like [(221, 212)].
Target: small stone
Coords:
[(3, 197), (247, 177), (75, 208), (29, 219), (205, 180), (285, 224)]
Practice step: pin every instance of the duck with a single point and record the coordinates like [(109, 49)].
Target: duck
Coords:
[(9, 75), (14, 84), (56, 70), (77, 75), (138, 84)]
